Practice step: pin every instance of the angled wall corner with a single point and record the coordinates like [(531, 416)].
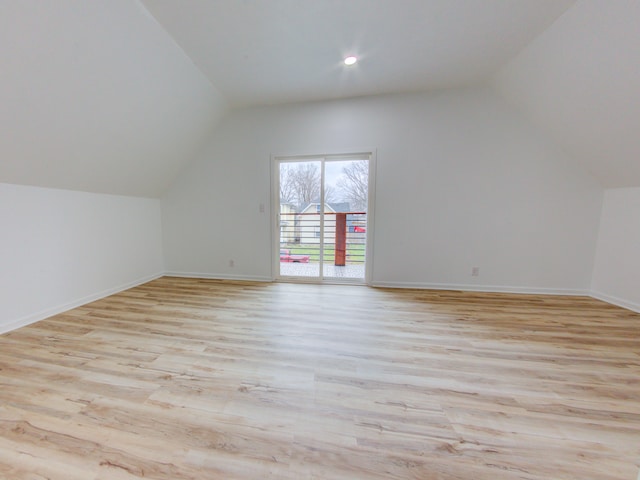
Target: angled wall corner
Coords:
[(98, 97), (60, 249), (616, 275), (578, 81)]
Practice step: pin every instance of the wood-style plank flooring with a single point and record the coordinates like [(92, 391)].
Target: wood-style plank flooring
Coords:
[(201, 379)]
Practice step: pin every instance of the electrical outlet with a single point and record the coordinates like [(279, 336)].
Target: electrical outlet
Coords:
[(232, 263), (475, 272), (261, 208)]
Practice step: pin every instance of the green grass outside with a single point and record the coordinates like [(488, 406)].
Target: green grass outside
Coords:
[(355, 252)]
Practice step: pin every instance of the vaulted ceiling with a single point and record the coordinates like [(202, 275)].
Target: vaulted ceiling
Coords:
[(116, 96), (265, 52), (96, 96), (580, 82)]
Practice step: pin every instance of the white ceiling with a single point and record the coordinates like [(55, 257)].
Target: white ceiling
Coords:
[(95, 96), (116, 96), (266, 52), (580, 81)]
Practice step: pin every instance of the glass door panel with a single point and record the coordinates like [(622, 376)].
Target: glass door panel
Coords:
[(300, 222), (322, 219), (345, 225)]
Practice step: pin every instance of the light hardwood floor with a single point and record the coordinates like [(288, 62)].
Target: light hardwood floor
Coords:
[(200, 379)]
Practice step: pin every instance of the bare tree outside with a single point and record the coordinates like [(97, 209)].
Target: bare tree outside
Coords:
[(323, 241), (300, 184), (306, 182), (354, 184), (287, 190), (330, 194)]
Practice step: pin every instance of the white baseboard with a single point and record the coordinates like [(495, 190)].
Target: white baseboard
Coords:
[(443, 286), (484, 288), (36, 317), (41, 315), (219, 276), (635, 307)]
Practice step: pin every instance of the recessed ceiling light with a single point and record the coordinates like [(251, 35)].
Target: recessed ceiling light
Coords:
[(350, 60)]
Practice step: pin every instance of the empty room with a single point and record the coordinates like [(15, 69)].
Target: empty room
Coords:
[(320, 239)]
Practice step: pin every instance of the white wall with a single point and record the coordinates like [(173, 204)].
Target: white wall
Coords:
[(578, 81), (60, 249), (462, 181), (97, 97), (616, 276)]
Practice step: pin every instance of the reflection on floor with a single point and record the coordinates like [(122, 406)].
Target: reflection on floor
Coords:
[(329, 271)]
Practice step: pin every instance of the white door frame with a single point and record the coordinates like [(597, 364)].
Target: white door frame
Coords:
[(356, 154)]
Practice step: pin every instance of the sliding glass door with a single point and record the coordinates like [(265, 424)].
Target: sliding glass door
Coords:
[(322, 214)]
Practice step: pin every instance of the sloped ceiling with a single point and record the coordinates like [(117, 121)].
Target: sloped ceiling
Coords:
[(116, 96), (267, 52), (580, 81), (96, 96)]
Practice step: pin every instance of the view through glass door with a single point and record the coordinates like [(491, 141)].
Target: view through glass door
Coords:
[(322, 220)]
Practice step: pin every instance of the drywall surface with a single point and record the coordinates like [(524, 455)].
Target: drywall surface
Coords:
[(462, 181), (97, 97), (616, 276), (579, 80), (60, 249)]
